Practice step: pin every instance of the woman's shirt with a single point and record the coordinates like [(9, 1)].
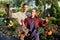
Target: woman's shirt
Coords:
[(37, 21)]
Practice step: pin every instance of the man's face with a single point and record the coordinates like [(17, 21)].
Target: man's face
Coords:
[(25, 8)]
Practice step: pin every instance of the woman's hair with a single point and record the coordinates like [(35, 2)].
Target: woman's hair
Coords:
[(47, 15), (36, 11)]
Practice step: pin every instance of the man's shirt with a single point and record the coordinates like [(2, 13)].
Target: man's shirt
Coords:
[(28, 14), (20, 16)]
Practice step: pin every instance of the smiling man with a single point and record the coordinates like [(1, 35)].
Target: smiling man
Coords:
[(22, 15)]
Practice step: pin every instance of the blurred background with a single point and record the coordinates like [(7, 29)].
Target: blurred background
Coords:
[(43, 6)]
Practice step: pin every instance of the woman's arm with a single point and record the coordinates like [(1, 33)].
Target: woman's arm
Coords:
[(43, 22)]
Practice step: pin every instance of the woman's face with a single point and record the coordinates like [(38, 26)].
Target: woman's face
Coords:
[(33, 13), (49, 15)]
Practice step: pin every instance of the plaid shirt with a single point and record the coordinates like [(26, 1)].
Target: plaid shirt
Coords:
[(38, 22)]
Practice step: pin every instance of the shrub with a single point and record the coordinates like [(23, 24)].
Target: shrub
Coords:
[(2, 13)]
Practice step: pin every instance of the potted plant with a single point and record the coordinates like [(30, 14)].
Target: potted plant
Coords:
[(21, 34), (10, 23)]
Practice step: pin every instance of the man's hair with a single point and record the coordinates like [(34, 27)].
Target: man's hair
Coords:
[(25, 4), (36, 11)]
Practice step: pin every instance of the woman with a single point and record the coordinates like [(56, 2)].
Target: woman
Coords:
[(32, 24)]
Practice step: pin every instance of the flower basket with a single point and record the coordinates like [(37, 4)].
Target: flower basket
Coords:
[(48, 32), (11, 23), (51, 28)]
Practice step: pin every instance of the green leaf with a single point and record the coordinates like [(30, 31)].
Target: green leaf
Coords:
[(2, 23), (40, 30), (53, 18)]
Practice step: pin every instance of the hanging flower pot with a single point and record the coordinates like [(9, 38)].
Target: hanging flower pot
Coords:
[(8, 22)]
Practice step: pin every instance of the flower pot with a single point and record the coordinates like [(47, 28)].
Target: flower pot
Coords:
[(45, 32), (22, 35), (50, 33), (52, 29)]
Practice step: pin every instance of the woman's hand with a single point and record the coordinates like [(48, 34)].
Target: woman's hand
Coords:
[(46, 20)]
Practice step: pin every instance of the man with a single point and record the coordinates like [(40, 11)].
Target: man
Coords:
[(25, 10), (22, 15)]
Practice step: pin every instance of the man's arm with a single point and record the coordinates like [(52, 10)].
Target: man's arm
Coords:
[(26, 22)]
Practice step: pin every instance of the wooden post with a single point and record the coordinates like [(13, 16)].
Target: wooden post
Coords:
[(8, 10)]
